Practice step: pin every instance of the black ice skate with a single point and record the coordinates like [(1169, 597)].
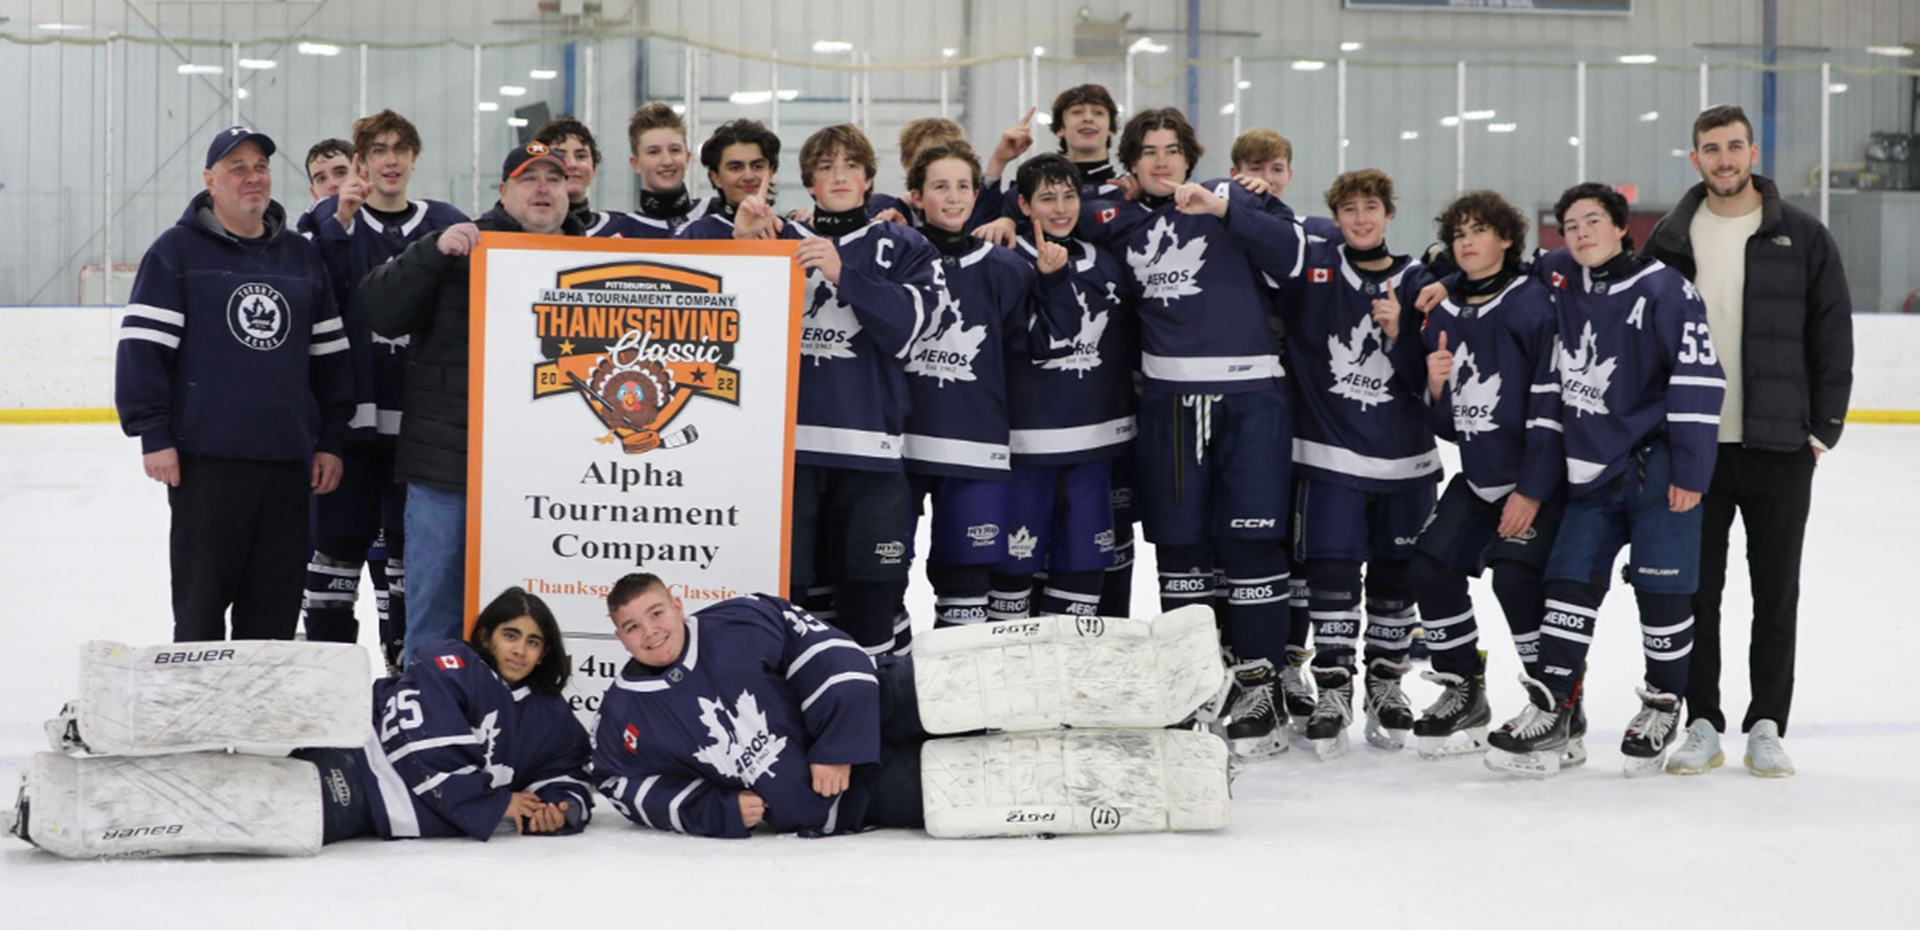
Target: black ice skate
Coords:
[(1296, 695), (1256, 726), (1650, 733), (1456, 723), (1532, 745), (1389, 713), (1327, 726)]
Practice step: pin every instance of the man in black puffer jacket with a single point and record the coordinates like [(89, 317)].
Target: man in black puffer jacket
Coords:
[(1781, 321), (423, 293)]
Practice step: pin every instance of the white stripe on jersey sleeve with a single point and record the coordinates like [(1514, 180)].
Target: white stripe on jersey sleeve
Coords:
[(169, 340), (158, 315), (841, 678)]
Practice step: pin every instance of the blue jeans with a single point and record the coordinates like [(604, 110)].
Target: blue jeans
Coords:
[(436, 565)]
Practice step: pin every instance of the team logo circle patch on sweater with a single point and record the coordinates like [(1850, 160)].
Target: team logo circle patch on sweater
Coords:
[(259, 317)]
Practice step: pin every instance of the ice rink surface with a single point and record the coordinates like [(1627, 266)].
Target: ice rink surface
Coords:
[(1375, 839)]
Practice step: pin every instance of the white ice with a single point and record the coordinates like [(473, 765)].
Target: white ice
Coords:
[(1372, 840)]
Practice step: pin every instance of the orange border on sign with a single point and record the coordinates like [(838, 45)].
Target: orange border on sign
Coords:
[(477, 348)]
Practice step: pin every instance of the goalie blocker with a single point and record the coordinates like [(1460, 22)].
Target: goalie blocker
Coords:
[(754, 712)]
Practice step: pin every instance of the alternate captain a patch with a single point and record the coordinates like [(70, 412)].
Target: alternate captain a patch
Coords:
[(259, 317)]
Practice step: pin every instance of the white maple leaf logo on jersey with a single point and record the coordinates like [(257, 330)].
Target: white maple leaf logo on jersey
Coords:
[(1165, 268), (947, 349), (742, 747), (829, 327), (1584, 377), (1020, 545), (1473, 398), (1086, 345), (487, 734), (1361, 369)]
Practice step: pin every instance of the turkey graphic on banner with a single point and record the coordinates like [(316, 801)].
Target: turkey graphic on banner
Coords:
[(631, 410)]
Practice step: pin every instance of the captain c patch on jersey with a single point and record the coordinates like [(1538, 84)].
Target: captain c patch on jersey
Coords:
[(636, 341)]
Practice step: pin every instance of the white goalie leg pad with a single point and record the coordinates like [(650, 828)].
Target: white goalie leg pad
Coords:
[(1068, 671), (90, 807), (1074, 781), (255, 696)]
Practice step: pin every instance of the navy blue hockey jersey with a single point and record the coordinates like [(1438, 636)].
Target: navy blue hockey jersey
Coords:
[(1201, 301), (1073, 394), (233, 348), (1360, 410), (452, 744), (854, 341), (607, 224), (663, 217), (1502, 403), (957, 420), (761, 691), (1635, 359), (379, 363)]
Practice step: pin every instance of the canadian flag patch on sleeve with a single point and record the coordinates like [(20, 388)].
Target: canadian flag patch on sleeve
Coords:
[(1107, 215), (1320, 275), (1559, 281), (449, 662), (631, 738)]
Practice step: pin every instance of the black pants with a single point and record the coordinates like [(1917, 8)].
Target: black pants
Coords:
[(239, 540), (1773, 492)]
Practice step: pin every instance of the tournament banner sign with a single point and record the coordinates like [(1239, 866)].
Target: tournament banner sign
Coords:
[(631, 409)]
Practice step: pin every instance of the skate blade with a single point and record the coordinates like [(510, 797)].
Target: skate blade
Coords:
[(1256, 748), (1468, 742), (1575, 755), (1523, 764), (1390, 740), (1766, 773), (1331, 749), (1638, 767), (1674, 766)]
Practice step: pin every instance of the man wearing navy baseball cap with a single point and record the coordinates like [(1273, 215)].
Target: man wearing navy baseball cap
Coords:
[(233, 372), (422, 293)]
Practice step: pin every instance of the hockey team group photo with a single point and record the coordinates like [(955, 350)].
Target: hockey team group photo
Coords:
[(1093, 459)]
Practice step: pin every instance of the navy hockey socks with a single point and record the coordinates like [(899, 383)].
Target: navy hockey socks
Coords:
[(1072, 594), (865, 610), (1302, 620), (1666, 633), (1522, 591), (1446, 612), (1257, 588), (1009, 597), (333, 584), (1566, 633), (1333, 603), (1186, 576), (959, 594), (1390, 610), (1116, 589)]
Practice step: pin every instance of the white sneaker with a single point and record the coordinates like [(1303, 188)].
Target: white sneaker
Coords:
[(1700, 754), (1765, 756)]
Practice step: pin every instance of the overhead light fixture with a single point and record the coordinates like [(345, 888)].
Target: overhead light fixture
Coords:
[(1227, 110), (259, 64), (509, 90), (832, 45), (488, 106), (1039, 50), (1677, 153), (1147, 45), (747, 98), (1043, 118), (1638, 59), (680, 108), (1573, 141), (1408, 135), (242, 93), (200, 69), (317, 48), (1836, 88), (1245, 84), (1649, 116), (1309, 65), (543, 74), (1352, 46), (949, 52), (1449, 120), (516, 121), (60, 27), (1478, 114), (1891, 51), (1502, 127)]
